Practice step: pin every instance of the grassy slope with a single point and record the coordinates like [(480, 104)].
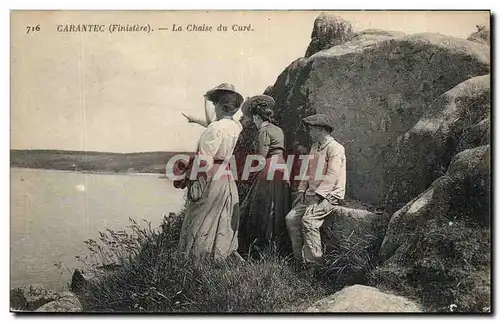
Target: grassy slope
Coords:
[(155, 279)]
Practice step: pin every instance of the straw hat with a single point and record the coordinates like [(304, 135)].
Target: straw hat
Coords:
[(213, 93)]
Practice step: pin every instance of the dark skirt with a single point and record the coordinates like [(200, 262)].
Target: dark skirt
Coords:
[(262, 214)]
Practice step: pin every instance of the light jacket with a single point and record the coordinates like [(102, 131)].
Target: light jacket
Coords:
[(331, 181)]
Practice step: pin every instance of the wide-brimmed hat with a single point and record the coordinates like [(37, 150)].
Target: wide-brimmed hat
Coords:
[(213, 93), (264, 100), (322, 120)]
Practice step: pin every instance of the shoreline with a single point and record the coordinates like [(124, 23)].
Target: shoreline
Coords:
[(159, 175)]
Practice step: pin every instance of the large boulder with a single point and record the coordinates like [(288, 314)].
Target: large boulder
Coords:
[(328, 31), (66, 302), (462, 191), (377, 86), (31, 297), (424, 152), (344, 220), (366, 299), (36, 297), (437, 247)]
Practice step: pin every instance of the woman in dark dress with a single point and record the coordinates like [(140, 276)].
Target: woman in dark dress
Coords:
[(263, 211)]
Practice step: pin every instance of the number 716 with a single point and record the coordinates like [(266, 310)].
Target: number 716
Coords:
[(32, 28)]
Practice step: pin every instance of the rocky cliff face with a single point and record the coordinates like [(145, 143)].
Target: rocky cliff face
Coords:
[(456, 120), (413, 112), (437, 247), (377, 86)]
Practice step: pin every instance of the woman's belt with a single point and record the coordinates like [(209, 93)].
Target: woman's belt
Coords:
[(217, 161)]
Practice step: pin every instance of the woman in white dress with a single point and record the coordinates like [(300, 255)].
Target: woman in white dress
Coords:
[(210, 226)]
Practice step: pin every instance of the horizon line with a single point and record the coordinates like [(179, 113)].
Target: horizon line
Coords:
[(93, 151)]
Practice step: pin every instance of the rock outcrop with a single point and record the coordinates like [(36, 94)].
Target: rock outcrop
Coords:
[(36, 297), (329, 31), (361, 298), (377, 86), (474, 136), (79, 282), (455, 120), (437, 247), (359, 222), (66, 302), (413, 112), (482, 35), (462, 191), (31, 297)]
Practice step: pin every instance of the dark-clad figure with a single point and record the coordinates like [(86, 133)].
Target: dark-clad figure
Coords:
[(268, 201)]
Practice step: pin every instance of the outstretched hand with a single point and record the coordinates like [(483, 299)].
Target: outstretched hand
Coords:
[(189, 117)]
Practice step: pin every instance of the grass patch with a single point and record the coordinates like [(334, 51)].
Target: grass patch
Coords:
[(151, 277), (352, 249), (445, 264)]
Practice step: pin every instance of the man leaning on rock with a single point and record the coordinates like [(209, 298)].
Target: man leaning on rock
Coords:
[(322, 187)]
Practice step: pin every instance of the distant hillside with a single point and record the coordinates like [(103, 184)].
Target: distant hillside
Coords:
[(141, 162)]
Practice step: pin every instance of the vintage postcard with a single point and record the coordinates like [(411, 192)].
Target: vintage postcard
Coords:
[(250, 161)]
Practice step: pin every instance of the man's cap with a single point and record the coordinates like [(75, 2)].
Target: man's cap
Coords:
[(322, 120)]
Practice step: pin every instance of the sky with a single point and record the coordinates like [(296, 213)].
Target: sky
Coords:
[(124, 92)]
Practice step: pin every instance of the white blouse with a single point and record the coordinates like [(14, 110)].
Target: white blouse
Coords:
[(219, 139)]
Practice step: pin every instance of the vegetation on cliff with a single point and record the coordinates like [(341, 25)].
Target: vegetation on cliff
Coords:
[(152, 277)]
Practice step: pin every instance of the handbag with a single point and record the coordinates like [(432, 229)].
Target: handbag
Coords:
[(195, 187)]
